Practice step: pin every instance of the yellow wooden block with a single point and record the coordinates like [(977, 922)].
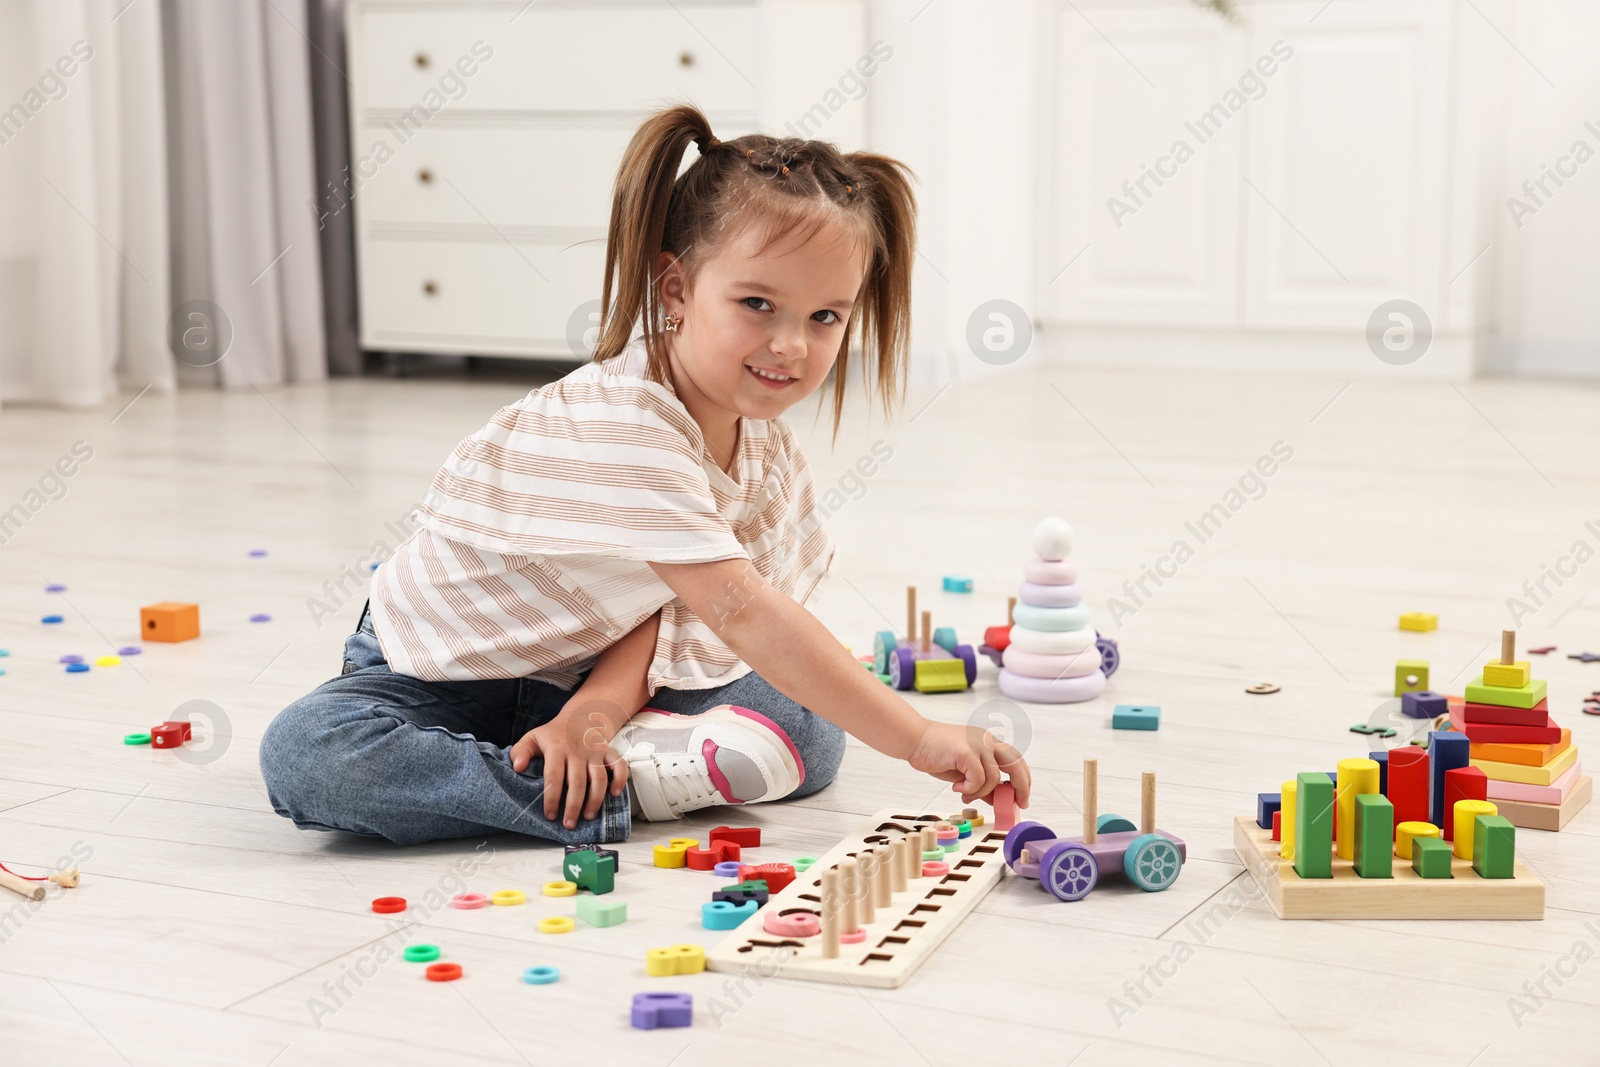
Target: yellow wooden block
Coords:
[(675, 854), (1466, 811), (679, 959), (1406, 832), (1510, 675), (1286, 801), (1354, 776), (1419, 621), (1516, 772)]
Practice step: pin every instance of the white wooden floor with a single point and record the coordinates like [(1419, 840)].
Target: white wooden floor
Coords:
[(207, 927)]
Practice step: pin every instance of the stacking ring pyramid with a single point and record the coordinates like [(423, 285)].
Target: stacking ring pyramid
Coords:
[(1052, 657)]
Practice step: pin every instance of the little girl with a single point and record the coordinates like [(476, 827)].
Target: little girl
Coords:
[(642, 531)]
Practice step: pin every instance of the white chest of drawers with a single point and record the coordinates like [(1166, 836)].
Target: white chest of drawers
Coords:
[(485, 137)]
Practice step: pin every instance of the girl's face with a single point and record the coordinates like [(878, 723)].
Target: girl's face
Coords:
[(760, 329)]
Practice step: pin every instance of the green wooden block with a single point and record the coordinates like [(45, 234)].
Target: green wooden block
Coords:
[(1411, 676), (1494, 847), (597, 912), (1136, 717), (1500, 696), (591, 871), (1374, 836), (1430, 857), (940, 676), (1313, 826), (754, 885)]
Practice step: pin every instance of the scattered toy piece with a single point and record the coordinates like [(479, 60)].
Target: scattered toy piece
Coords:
[(136, 739), (597, 912), (556, 924), (129, 650), (107, 661), (743, 836), (261, 617), (70, 657), (541, 975), (443, 972), (957, 584), (77, 668), (724, 914), (1419, 621), (587, 869), (1410, 676), (169, 621), (653, 1010), (51, 620), (55, 587), (421, 953), (257, 553), (469, 901), (508, 898), (389, 905), (1136, 717), (1541, 651), (1261, 689), (802, 864), (730, 869), (1585, 657), (679, 959)]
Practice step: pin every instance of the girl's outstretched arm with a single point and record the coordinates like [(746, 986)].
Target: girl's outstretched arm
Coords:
[(795, 653)]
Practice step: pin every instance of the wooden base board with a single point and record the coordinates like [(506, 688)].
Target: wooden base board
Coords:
[(1547, 816), (1405, 896), (902, 935)]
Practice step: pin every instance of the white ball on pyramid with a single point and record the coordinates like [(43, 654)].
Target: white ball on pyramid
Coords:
[(1052, 539)]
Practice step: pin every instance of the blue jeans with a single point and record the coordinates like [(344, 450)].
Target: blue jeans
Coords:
[(386, 755)]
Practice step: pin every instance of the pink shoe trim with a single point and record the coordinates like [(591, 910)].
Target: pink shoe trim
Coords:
[(769, 724), (708, 749)]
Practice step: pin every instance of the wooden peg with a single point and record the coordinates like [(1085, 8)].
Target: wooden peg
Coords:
[(927, 630), (1091, 774), (867, 886), (883, 887), (830, 914), (911, 613), (897, 866), (66, 879), (914, 854), (849, 891), (31, 890), (1147, 803), (1508, 647), (1011, 611)]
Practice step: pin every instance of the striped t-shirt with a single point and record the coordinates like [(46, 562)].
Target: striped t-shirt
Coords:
[(533, 543)]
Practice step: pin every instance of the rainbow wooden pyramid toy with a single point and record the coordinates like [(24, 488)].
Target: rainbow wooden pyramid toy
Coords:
[(1048, 653)]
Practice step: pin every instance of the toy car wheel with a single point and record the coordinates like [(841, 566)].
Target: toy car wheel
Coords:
[(1019, 837), (902, 668), (1110, 658), (945, 638), (1152, 862), (884, 643), (969, 659), (1069, 871), (1113, 824)]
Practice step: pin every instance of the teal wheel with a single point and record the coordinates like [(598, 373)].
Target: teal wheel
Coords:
[(884, 643), (1152, 862), (945, 638)]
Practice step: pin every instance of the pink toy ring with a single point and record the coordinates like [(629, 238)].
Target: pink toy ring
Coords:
[(792, 924), (935, 869), (1043, 665), (1047, 691), (469, 900), (854, 937)]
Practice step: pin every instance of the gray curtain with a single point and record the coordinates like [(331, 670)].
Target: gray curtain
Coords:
[(330, 114)]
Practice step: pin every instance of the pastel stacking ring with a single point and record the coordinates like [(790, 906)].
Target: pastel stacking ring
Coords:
[(1051, 642), (854, 937), (421, 953), (729, 869), (1039, 665), (468, 901), (1051, 691), (559, 889), (1050, 596), (935, 869), (1050, 571), (540, 975), (1054, 619), (556, 924), (507, 898)]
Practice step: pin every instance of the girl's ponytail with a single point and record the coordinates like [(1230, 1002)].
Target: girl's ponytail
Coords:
[(635, 240), (884, 307)]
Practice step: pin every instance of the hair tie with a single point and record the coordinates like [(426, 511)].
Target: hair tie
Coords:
[(711, 142), (783, 172)]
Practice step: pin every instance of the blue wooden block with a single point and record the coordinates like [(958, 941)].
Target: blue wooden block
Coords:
[(1136, 717), (955, 583), (1424, 704), (1382, 759), (1266, 804), (1447, 750)]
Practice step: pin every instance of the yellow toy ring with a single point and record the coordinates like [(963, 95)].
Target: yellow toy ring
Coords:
[(556, 924), (507, 897)]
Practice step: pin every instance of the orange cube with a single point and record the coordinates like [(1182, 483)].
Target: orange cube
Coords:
[(169, 621)]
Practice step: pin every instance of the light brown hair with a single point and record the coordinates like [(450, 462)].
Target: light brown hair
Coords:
[(782, 184)]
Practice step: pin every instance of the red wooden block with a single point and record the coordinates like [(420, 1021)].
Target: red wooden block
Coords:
[(167, 735), (727, 851), (1004, 800), (743, 836), (702, 859), (776, 875), (1461, 783), (188, 728), (1408, 784), (1498, 734), (1277, 825), (1494, 714), (997, 637)]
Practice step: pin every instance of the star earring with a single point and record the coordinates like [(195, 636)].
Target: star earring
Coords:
[(673, 321)]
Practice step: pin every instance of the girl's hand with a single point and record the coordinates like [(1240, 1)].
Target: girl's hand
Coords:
[(972, 758), (576, 746)]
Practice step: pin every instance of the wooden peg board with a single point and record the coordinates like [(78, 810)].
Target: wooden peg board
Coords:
[(1407, 895), (902, 935)]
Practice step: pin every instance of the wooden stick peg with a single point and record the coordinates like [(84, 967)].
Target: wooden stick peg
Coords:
[(1147, 803), (1091, 785), (1508, 647)]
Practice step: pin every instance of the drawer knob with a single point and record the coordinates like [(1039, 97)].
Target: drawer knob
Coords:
[(422, 59), (686, 59), (425, 176), (430, 287)]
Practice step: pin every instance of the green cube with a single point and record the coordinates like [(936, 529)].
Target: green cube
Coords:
[(591, 871), (1313, 826), (1411, 676), (1430, 857), (1374, 836), (1494, 847), (597, 912)]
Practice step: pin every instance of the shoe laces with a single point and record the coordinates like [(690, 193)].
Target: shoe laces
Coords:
[(685, 782)]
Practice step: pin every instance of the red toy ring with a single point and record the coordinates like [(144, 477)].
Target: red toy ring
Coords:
[(389, 905), (443, 972)]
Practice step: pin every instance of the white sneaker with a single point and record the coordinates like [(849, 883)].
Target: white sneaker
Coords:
[(728, 755)]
